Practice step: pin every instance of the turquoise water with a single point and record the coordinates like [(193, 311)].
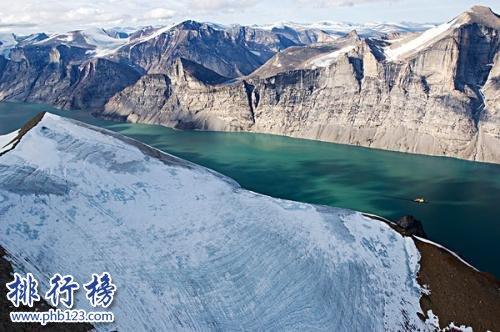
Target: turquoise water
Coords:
[(464, 197)]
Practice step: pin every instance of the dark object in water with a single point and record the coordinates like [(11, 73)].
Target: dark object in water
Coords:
[(411, 226)]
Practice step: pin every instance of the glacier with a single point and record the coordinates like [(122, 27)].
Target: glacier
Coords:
[(188, 248)]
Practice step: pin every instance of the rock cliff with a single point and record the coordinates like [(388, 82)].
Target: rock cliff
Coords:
[(435, 93)]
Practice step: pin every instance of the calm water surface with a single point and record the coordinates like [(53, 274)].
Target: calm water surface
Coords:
[(464, 197)]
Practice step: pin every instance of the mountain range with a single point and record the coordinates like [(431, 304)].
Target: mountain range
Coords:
[(388, 86)]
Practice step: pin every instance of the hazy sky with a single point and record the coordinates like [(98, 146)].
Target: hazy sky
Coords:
[(23, 16)]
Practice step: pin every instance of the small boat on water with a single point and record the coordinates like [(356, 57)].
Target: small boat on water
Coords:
[(420, 200)]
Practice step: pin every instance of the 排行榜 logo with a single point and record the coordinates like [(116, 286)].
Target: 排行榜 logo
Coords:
[(99, 291)]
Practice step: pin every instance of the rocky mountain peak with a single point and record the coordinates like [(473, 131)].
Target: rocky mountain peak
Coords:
[(481, 15), (184, 69), (353, 35), (192, 25)]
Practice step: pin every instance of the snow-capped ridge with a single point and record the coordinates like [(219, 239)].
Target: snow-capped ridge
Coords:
[(339, 29), (108, 42), (398, 50), (408, 46), (99, 42)]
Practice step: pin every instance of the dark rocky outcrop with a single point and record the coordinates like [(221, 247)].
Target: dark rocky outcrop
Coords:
[(456, 292), (411, 226), (24, 129)]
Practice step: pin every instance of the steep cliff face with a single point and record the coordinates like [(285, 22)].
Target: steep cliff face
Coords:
[(197, 42), (182, 100), (433, 94), (489, 121)]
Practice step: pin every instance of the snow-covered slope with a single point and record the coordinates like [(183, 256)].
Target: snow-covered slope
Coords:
[(188, 248), (105, 42), (417, 43), (326, 60)]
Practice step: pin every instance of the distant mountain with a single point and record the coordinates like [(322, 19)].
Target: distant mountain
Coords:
[(190, 250), (340, 29), (98, 42), (380, 85)]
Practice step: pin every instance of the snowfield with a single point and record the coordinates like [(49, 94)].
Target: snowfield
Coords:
[(188, 248)]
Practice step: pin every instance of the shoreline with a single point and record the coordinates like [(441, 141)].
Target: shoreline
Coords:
[(458, 292)]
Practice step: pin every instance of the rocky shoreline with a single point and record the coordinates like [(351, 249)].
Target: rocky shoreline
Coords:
[(457, 292)]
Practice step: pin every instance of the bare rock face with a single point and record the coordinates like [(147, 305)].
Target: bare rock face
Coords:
[(197, 42), (181, 100), (488, 124)]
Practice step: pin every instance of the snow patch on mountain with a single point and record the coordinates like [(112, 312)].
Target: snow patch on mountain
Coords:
[(100, 42), (398, 50), (188, 248), (156, 32), (326, 60), (104, 42)]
